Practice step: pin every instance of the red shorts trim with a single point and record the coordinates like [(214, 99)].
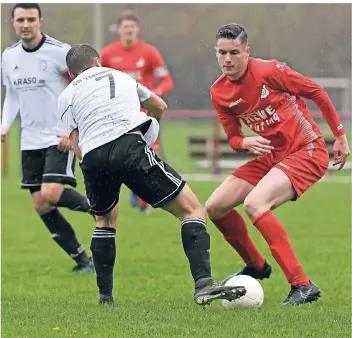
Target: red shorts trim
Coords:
[(304, 167)]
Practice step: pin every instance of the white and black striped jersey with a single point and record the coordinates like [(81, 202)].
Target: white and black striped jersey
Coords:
[(104, 104), (34, 80)]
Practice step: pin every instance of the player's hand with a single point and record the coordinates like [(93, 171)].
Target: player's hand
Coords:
[(64, 143), (341, 151), (3, 134), (257, 145)]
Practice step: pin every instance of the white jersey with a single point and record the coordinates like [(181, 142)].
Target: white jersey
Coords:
[(35, 80), (104, 104)]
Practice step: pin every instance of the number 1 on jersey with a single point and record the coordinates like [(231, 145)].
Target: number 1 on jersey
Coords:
[(112, 83)]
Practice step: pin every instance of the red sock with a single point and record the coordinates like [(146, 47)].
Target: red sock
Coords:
[(142, 204), (280, 247), (235, 232)]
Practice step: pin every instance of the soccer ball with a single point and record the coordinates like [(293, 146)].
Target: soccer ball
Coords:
[(253, 298)]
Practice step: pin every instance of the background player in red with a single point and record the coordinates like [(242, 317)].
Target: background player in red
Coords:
[(140, 60), (267, 96)]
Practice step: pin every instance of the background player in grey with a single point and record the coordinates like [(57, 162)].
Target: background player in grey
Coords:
[(113, 138), (35, 73)]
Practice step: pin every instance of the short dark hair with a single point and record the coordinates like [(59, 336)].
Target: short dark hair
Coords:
[(26, 6), (80, 57), (127, 15), (232, 31)]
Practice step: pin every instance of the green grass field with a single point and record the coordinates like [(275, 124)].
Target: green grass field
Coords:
[(153, 287)]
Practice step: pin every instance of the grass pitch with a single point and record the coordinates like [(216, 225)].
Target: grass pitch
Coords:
[(153, 286)]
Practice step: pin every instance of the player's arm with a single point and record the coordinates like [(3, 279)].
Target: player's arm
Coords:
[(11, 102), (232, 127), (161, 73), (74, 138), (155, 105), (9, 111), (68, 139), (60, 60), (295, 83)]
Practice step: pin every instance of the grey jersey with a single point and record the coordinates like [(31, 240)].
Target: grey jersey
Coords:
[(104, 104)]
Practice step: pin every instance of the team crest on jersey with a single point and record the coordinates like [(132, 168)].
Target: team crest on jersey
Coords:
[(264, 92), (44, 66), (140, 63), (279, 67)]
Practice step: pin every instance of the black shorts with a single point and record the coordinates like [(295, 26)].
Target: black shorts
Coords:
[(128, 160), (48, 165)]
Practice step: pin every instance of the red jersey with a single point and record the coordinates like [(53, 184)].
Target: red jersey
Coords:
[(142, 61), (269, 99)]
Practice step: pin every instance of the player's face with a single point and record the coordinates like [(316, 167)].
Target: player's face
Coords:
[(232, 57), (128, 30), (26, 23)]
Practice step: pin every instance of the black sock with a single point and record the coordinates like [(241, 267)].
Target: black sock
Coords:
[(196, 244), (63, 234), (103, 249), (73, 200)]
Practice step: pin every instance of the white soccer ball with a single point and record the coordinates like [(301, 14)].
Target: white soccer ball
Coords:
[(253, 298)]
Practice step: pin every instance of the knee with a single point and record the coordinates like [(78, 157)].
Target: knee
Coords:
[(109, 220), (214, 209), (51, 193), (254, 207), (40, 206)]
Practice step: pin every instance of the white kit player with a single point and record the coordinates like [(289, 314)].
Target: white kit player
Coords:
[(101, 109), (34, 72)]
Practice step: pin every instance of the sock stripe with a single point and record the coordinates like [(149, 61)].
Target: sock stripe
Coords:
[(104, 233), (194, 220), (103, 236)]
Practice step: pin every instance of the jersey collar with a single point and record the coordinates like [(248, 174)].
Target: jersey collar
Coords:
[(41, 43)]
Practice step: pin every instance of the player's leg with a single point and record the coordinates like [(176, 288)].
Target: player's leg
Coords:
[(103, 247), (220, 208), (285, 182), (196, 244), (60, 229), (102, 188), (58, 171), (272, 191), (161, 186)]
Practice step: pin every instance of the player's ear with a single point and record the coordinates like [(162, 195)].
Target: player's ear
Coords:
[(248, 50), (41, 21), (70, 75), (97, 62)]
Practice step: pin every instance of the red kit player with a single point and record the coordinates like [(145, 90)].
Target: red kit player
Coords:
[(267, 96), (140, 60)]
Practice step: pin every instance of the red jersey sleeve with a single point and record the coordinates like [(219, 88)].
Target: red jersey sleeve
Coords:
[(160, 71), (231, 125), (286, 79)]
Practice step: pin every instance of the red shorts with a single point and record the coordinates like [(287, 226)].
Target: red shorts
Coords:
[(303, 167)]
